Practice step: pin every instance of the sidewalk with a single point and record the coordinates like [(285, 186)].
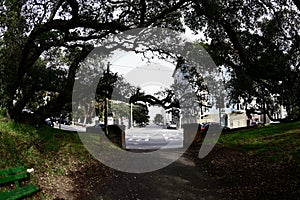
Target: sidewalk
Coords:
[(180, 180)]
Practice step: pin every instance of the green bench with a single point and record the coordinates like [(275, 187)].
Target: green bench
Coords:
[(14, 175)]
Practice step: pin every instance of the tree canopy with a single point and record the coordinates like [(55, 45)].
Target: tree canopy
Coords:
[(39, 30), (258, 41), (42, 44)]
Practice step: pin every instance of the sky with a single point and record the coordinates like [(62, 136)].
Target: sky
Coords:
[(150, 77)]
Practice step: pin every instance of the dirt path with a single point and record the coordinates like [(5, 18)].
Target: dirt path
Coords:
[(180, 180)]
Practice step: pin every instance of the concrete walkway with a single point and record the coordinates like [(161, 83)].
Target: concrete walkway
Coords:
[(180, 180)]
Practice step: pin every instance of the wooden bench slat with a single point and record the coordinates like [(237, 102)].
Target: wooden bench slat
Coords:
[(15, 175), (19, 192), (4, 172), (11, 178)]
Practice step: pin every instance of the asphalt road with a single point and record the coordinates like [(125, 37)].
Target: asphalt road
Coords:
[(149, 137), (153, 137), (70, 128)]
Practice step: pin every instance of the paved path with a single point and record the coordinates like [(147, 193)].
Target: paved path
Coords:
[(180, 180)]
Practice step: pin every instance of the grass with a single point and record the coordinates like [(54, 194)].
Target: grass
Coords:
[(28, 146), (49, 151), (275, 142)]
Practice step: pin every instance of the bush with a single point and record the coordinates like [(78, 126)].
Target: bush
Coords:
[(2, 112), (295, 114)]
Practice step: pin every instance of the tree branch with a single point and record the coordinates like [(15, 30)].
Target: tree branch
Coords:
[(56, 104), (143, 11), (75, 8), (55, 9), (163, 13), (297, 3)]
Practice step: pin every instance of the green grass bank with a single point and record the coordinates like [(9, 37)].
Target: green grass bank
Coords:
[(275, 142), (50, 152)]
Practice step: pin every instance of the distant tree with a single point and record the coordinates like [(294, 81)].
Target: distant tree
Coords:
[(106, 85), (96, 84), (158, 118), (140, 113)]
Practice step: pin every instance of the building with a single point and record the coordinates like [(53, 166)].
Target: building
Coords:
[(233, 117)]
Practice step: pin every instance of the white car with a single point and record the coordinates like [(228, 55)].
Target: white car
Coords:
[(274, 122), (171, 126)]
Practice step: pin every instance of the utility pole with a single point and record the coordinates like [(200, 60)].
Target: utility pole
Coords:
[(264, 110), (131, 116), (180, 119), (59, 122), (106, 106), (264, 107), (106, 116)]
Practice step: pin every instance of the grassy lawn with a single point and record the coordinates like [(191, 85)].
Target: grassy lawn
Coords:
[(277, 142), (26, 145), (50, 152), (55, 155)]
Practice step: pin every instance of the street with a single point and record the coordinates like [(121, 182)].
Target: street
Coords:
[(150, 137), (70, 128), (153, 137)]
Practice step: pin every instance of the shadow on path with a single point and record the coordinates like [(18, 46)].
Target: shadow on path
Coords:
[(226, 173), (180, 180)]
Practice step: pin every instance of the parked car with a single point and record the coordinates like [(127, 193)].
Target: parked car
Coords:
[(171, 126), (253, 123), (274, 122), (142, 125), (205, 126), (49, 122), (65, 121)]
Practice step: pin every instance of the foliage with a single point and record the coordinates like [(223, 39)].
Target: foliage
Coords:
[(61, 34), (168, 101), (258, 42), (120, 110), (2, 112), (95, 83), (140, 113), (106, 85), (42, 44), (158, 119)]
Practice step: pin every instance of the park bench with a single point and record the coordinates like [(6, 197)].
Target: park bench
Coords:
[(15, 175)]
